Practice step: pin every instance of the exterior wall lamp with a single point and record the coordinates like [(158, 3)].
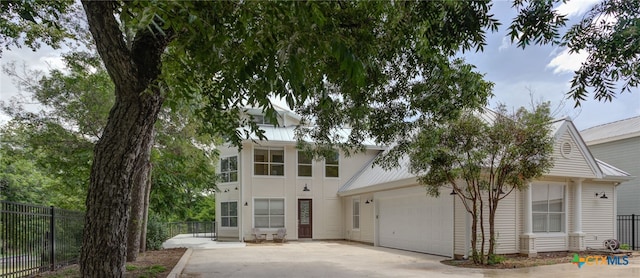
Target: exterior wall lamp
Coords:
[(246, 204), (602, 195), (369, 201), (306, 188)]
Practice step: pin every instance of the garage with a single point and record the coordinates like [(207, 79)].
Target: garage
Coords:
[(407, 219)]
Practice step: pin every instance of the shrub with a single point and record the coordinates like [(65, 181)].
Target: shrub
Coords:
[(156, 233), (495, 259)]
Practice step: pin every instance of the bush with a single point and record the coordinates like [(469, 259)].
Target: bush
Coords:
[(156, 233), (625, 246), (495, 259)]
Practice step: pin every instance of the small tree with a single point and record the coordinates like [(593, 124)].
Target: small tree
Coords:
[(484, 157)]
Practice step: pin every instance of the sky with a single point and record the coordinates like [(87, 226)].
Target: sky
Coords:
[(541, 71), (545, 71)]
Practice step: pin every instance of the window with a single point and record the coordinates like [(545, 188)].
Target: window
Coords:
[(229, 169), (261, 120), (268, 213), (548, 208), (356, 214), (268, 162), (229, 214), (304, 164), (331, 165)]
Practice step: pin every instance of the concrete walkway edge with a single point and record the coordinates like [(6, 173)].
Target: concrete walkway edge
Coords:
[(177, 269)]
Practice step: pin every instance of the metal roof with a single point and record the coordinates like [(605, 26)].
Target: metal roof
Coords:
[(610, 171), (613, 131), (372, 176), (287, 135)]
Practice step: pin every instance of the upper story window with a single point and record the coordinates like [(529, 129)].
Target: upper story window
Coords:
[(229, 169), (548, 208), (305, 163), (268, 162), (261, 120), (332, 165)]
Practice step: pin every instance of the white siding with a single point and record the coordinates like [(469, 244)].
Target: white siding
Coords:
[(506, 225), (598, 220), (460, 229), (327, 219), (327, 211), (623, 154), (572, 165), (230, 233), (367, 217), (549, 243), (571, 188)]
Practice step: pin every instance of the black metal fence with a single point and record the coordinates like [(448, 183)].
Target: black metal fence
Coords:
[(37, 238), (629, 230), (198, 229)]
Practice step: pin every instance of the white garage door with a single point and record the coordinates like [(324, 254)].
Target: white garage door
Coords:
[(416, 223)]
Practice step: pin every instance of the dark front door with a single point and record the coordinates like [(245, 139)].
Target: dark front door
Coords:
[(304, 218)]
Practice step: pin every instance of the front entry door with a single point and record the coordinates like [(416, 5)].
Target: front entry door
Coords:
[(304, 218)]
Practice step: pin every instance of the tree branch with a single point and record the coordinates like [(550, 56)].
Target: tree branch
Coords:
[(110, 41)]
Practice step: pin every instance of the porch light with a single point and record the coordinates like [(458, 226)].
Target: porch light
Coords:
[(246, 204), (236, 188), (306, 188), (602, 195), (369, 201), (453, 192)]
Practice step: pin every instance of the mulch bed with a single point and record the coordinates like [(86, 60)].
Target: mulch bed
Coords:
[(518, 261), (152, 264)]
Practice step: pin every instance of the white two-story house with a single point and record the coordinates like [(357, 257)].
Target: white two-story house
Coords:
[(271, 185)]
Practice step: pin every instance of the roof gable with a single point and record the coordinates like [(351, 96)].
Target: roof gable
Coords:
[(571, 157)]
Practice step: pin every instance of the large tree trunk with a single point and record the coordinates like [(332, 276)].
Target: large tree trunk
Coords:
[(136, 219), (112, 179), (125, 139), (145, 217)]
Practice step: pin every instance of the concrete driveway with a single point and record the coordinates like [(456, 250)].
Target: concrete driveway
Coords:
[(346, 259)]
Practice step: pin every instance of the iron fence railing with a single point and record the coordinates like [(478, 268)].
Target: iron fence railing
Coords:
[(37, 238), (629, 230), (198, 229)]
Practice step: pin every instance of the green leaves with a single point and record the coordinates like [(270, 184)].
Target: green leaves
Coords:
[(536, 23), (609, 33), (494, 149), (33, 22)]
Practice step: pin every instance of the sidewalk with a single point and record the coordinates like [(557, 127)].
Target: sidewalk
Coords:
[(189, 241)]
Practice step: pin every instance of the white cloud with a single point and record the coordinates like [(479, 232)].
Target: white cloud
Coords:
[(506, 42), (576, 7), (51, 62), (566, 62)]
